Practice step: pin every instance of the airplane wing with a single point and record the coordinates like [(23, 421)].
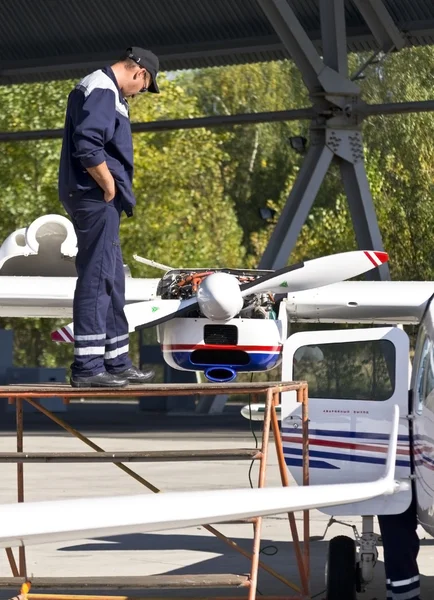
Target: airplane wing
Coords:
[(32, 296), (41, 522), (37, 271), (381, 302)]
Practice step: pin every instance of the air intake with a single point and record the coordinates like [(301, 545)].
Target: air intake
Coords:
[(235, 358), (223, 335)]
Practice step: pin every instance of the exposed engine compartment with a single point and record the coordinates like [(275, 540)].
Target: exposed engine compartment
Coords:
[(183, 284)]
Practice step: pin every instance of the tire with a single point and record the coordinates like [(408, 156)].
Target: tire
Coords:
[(341, 569)]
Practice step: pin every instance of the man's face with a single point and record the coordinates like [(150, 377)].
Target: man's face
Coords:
[(140, 80)]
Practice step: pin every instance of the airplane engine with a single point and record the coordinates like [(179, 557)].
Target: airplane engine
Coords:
[(221, 349)]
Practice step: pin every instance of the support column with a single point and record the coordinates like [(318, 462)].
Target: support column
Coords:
[(295, 40), (381, 24), (297, 207), (333, 35), (335, 131)]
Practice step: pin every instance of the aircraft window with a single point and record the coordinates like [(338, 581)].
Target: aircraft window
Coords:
[(362, 370)]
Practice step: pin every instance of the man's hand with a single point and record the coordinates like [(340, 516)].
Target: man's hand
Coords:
[(104, 179), (110, 192)]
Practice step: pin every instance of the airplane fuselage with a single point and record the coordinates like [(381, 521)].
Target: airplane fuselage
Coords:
[(422, 409), (355, 377)]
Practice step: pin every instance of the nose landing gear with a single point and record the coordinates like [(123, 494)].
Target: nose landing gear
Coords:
[(350, 563), (341, 569)]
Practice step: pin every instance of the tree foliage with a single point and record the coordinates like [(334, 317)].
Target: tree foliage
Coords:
[(258, 160), (262, 168), (400, 158)]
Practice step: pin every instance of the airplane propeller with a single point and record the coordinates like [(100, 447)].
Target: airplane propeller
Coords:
[(217, 302), (220, 296)]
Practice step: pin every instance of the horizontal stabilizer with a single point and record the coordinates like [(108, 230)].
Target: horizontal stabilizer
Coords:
[(63, 334), (41, 522)]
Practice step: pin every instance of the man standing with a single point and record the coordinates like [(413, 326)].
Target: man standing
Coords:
[(95, 187)]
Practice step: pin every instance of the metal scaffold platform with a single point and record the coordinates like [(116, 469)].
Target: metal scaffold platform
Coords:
[(20, 394)]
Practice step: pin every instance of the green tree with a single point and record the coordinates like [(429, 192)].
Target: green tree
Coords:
[(258, 159), (183, 216), (401, 162), (399, 158)]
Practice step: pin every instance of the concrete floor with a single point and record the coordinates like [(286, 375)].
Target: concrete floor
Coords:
[(188, 551)]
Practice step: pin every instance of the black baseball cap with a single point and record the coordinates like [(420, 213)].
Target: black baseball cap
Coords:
[(147, 60)]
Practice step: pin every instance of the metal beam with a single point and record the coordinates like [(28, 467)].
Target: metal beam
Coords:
[(297, 207), (299, 114), (295, 40), (362, 212), (381, 24), (316, 75), (333, 35), (176, 124), (395, 108)]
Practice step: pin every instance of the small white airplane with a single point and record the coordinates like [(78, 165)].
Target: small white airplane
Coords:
[(359, 384)]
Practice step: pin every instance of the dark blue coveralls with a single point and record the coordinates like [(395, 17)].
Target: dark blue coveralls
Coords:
[(401, 547), (97, 129)]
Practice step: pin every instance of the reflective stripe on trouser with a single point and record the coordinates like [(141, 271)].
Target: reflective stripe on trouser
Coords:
[(404, 589), (401, 547), (99, 298)]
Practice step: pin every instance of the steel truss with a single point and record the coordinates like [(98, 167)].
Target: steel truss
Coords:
[(335, 131)]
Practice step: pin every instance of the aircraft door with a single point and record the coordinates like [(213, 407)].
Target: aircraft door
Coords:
[(355, 377)]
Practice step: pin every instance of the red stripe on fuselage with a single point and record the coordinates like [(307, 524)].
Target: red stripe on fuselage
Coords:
[(221, 347), (344, 445)]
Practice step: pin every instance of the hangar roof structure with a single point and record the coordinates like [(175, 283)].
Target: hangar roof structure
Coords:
[(54, 39)]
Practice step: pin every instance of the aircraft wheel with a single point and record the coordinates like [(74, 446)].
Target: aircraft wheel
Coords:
[(341, 569)]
